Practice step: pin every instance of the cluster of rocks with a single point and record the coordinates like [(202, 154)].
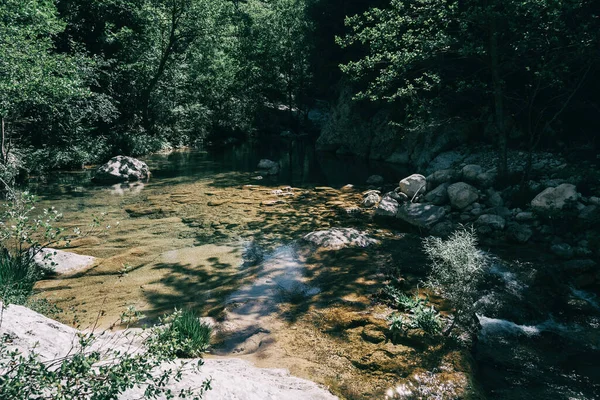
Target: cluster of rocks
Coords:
[(447, 198)]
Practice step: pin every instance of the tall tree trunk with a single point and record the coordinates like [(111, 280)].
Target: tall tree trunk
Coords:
[(498, 97), (4, 153)]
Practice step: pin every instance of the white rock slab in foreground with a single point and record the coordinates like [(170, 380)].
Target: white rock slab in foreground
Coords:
[(231, 378), (65, 261)]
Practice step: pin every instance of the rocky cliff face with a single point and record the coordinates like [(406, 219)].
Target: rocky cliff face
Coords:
[(348, 131)]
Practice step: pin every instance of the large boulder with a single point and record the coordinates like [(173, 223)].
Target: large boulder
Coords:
[(62, 262), (122, 169), (268, 167), (555, 198), (231, 378), (462, 194), (387, 207), (420, 214), (412, 185), (339, 238), (441, 176), (439, 195)]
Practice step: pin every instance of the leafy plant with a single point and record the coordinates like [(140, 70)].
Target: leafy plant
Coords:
[(420, 316), (90, 373), (457, 267), (184, 336)]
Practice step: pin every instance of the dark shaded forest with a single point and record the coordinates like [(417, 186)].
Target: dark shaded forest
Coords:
[(82, 80)]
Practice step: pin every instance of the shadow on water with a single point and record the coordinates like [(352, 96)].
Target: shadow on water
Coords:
[(301, 165)]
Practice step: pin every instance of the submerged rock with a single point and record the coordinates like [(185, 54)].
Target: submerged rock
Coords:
[(421, 215), (339, 238), (122, 169), (62, 262)]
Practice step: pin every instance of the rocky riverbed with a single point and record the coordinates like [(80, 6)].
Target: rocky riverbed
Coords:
[(291, 274)]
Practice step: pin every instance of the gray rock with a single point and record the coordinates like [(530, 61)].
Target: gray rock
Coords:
[(267, 164), (412, 185), (370, 200), (556, 198), (494, 222), (475, 174), (494, 199), (268, 167), (462, 194), (421, 215), (63, 262), (562, 250), (442, 229), (375, 180), (231, 378), (339, 238), (470, 172), (439, 195), (590, 213), (501, 211), (524, 216), (594, 200), (442, 176), (387, 207), (399, 197), (518, 233), (122, 169)]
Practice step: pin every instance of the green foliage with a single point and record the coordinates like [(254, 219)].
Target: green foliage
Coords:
[(92, 372), (457, 266), (419, 314), (25, 236), (184, 335), (518, 64)]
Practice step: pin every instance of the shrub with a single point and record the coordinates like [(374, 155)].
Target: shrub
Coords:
[(89, 373), (184, 336), (456, 269)]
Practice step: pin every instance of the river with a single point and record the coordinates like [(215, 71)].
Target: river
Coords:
[(208, 232)]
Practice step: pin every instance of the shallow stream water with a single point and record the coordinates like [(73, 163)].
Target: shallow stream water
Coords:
[(205, 232)]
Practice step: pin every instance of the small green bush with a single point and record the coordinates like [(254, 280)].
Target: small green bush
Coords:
[(457, 267), (185, 334)]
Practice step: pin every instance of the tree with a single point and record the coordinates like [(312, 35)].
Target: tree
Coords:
[(477, 60), (39, 86)]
